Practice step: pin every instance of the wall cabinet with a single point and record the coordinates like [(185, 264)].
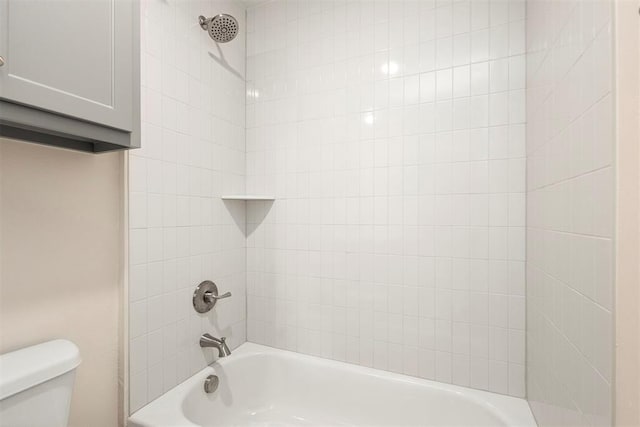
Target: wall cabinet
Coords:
[(70, 72)]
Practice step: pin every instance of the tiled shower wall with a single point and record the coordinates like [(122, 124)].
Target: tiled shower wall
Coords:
[(180, 232), (570, 211), (392, 136)]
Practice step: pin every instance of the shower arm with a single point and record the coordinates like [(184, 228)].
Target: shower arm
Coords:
[(203, 22)]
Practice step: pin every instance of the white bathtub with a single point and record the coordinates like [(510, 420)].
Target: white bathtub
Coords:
[(264, 386)]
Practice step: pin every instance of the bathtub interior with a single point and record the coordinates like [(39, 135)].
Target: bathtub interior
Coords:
[(277, 387)]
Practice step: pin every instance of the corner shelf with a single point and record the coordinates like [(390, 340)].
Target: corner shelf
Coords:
[(247, 197)]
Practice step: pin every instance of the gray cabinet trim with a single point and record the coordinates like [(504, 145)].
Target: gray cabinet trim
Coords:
[(21, 122)]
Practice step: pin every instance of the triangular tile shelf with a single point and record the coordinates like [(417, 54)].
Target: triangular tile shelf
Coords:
[(247, 197)]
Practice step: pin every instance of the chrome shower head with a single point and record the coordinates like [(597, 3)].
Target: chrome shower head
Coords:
[(222, 28)]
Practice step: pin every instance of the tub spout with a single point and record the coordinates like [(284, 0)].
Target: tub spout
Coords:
[(206, 340)]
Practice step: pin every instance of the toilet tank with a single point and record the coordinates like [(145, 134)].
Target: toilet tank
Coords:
[(36, 384)]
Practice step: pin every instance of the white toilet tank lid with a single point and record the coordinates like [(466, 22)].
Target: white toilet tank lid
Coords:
[(30, 366)]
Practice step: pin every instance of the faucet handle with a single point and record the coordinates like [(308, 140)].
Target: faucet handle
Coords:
[(206, 296), (209, 296)]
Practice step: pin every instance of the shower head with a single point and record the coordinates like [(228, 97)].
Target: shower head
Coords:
[(222, 28)]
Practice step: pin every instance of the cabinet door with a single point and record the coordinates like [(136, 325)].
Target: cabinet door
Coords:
[(72, 57)]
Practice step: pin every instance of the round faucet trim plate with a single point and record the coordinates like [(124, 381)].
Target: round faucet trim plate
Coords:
[(201, 303)]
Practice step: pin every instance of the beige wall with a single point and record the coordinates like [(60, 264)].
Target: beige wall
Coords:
[(61, 263), (627, 56)]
